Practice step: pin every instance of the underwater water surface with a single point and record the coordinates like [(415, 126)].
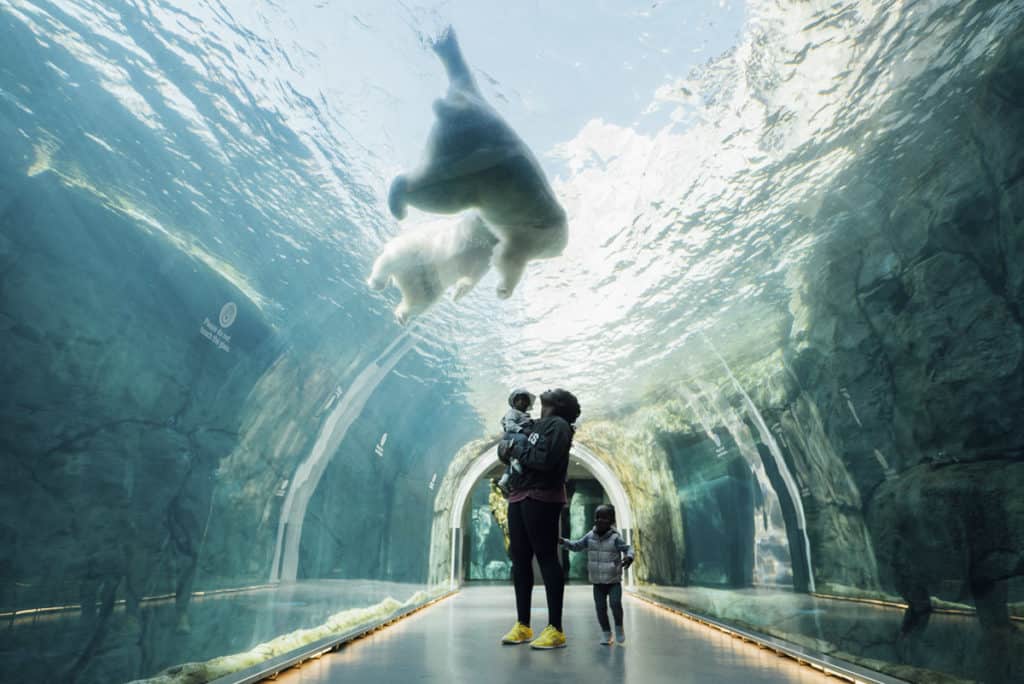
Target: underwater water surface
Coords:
[(790, 306)]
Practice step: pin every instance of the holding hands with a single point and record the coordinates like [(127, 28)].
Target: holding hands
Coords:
[(563, 541)]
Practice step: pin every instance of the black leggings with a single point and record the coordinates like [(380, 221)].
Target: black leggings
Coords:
[(533, 531), (602, 594)]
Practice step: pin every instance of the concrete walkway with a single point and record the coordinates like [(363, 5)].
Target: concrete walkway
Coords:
[(457, 641)]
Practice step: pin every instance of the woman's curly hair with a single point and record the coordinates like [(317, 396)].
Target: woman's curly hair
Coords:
[(564, 402)]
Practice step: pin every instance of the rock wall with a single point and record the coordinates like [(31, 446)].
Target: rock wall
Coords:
[(444, 503), (840, 544), (149, 443), (906, 346), (121, 412), (957, 527), (123, 408), (371, 514), (630, 448), (894, 400)]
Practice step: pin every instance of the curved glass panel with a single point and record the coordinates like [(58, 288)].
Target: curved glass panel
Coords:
[(269, 271)]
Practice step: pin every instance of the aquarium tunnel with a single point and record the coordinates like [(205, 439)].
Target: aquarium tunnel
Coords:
[(279, 279)]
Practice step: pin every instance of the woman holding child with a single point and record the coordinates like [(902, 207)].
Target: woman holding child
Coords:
[(536, 498)]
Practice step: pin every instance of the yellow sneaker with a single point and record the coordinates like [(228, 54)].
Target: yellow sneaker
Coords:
[(549, 638), (519, 634)]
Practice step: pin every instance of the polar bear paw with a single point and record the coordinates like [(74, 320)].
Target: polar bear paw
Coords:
[(396, 197), (462, 288)]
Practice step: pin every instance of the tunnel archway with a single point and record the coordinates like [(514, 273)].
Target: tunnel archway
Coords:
[(487, 460), (303, 483)]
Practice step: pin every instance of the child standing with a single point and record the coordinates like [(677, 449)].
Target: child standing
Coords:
[(605, 548), (516, 421)]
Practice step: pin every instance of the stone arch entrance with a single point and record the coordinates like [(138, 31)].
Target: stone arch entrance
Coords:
[(487, 459)]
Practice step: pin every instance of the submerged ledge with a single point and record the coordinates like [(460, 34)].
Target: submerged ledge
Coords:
[(716, 613), (297, 646)]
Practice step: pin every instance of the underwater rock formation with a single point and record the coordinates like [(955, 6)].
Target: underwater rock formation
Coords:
[(156, 431), (959, 525), (631, 450), (907, 341), (337, 624), (439, 563), (840, 543), (499, 510), (123, 410)]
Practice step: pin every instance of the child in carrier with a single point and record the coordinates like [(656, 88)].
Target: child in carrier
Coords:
[(605, 549), (515, 422)]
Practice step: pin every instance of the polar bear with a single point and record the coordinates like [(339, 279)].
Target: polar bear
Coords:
[(475, 160), (423, 262)]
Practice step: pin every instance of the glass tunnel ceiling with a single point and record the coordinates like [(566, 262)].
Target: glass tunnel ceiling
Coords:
[(693, 159), (790, 305), (352, 86)]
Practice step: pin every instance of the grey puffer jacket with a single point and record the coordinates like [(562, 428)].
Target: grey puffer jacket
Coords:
[(604, 555)]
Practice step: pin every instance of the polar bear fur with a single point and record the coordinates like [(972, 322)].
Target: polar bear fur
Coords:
[(424, 262), (475, 160)]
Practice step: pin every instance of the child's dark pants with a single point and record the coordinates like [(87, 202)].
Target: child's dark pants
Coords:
[(602, 594)]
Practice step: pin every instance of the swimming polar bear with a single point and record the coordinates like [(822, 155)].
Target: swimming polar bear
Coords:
[(475, 160), (423, 262)]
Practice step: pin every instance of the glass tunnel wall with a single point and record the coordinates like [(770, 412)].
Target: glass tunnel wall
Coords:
[(199, 405), (790, 305)]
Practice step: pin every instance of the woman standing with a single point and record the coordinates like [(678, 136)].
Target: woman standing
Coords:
[(535, 506)]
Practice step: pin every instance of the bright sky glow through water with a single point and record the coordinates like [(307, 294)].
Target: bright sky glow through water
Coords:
[(692, 144)]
